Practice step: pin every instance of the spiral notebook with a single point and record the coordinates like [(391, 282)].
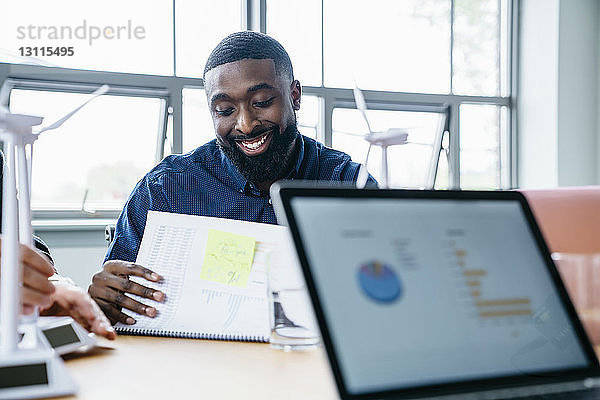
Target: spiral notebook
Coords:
[(214, 277)]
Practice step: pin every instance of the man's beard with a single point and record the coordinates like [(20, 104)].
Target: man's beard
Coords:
[(268, 166)]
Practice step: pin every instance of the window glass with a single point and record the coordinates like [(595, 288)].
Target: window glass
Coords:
[(103, 150), (479, 146), (388, 44), (505, 48), (197, 123), (407, 164), (200, 26), (308, 116), (301, 38), (124, 36), (476, 52)]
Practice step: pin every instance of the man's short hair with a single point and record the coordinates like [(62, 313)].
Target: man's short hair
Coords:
[(249, 44)]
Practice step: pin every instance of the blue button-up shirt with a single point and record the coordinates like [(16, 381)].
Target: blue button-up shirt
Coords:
[(205, 182)]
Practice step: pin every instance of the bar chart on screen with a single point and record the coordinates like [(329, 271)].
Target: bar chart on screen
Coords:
[(476, 287)]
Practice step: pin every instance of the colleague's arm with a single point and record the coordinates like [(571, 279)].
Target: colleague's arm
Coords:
[(62, 298), (111, 285)]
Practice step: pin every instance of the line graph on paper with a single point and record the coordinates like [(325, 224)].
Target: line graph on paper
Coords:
[(168, 257), (233, 308), (232, 303)]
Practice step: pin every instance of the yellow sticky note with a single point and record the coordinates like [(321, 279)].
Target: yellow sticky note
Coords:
[(228, 258)]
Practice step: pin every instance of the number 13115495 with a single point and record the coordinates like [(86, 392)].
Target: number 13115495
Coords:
[(46, 51)]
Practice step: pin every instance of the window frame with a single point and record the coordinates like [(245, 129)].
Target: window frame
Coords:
[(254, 14)]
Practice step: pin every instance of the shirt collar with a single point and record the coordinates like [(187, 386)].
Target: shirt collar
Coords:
[(300, 154)]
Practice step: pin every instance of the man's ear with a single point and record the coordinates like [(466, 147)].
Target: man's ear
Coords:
[(296, 94)]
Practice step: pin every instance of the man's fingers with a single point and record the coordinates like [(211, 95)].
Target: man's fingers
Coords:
[(37, 281), (109, 286), (118, 267), (114, 314), (127, 286), (120, 299), (35, 260)]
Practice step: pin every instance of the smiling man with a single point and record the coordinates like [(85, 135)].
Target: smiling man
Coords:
[(253, 99)]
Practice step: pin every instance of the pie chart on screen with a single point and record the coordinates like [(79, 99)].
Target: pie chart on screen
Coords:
[(379, 282)]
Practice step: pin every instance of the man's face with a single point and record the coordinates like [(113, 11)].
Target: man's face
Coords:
[(253, 110)]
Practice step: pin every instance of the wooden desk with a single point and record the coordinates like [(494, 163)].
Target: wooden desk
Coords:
[(162, 368)]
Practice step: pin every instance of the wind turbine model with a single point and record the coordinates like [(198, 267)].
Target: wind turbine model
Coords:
[(390, 137), (398, 136), (37, 372)]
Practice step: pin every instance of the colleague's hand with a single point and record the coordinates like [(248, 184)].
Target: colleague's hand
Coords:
[(110, 286), (36, 289), (64, 298), (70, 300)]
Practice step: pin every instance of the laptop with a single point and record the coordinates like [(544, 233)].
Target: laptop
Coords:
[(447, 294)]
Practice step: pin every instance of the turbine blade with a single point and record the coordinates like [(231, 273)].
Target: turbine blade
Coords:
[(361, 105), (363, 173), (102, 90)]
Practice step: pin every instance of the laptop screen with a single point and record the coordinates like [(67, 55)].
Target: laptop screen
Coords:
[(420, 292)]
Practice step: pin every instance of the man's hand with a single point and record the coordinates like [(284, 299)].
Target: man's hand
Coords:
[(70, 300), (110, 286)]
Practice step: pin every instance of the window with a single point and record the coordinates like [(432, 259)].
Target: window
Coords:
[(388, 45), (90, 157), (308, 116), (419, 63), (302, 40), (476, 57), (480, 146), (407, 164), (197, 123), (200, 26), (421, 53)]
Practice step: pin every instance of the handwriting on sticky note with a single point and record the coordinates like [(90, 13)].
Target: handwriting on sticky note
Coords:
[(228, 258)]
